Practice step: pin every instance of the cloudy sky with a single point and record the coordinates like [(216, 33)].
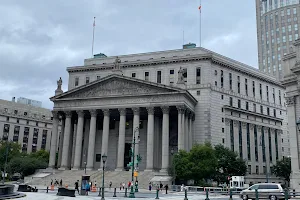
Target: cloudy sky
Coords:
[(39, 39)]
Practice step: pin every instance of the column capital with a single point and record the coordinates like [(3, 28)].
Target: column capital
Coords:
[(68, 114), (279, 131), (165, 109), (190, 115), (80, 113), (235, 123), (227, 121), (259, 127), (290, 101), (244, 125), (136, 110), (106, 112), (55, 114), (150, 110), (122, 111), (272, 130), (181, 109), (93, 113), (251, 126)]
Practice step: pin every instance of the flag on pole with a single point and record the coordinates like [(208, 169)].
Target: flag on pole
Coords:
[(199, 8), (94, 24)]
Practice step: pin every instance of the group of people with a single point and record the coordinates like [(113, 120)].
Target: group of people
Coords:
[(56, 182), (159, 186)]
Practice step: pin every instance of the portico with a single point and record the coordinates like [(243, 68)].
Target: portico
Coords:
[(101, 118)]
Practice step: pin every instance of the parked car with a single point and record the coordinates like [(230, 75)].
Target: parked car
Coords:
[(272, 191)]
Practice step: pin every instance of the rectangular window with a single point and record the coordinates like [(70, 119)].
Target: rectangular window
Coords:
[(274, 112), (238, 84), (5, 131), (76, 81), (98, 77), (290, 38), (267, 89), (260, 91), (133, 75), (222, 79), (87, 80), (268, 111), (198, 76), (246, 86), (253, 88), (171, 78), (247, 106), (146, 76), (273, 94), (294, 11), (261, 109), (279, 92), (289, 28), (288, 11), (158, 79), (230, 101), (296, 27), (239, 103), (230, 81), (254, 107), (44, 139)]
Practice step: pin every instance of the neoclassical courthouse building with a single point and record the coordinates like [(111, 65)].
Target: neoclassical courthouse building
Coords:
[(167, 100)]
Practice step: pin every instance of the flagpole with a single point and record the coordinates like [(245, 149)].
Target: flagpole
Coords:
[(183, 37), (93, 36), (200, 24)]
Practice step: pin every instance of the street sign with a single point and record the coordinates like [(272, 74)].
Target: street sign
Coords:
[(135, 174)]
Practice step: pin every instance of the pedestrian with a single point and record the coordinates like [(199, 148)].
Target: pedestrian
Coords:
[(110, 184), (150, 186), (166, 187), (77, 186), (51, 182), (95, 183), (123, 184), (60, 183), (129, 184), (87, 188), (161, 186), (120, 186)]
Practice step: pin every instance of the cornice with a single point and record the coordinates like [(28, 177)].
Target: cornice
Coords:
[(253, 113), (289, 80), (289, 56), (209, 56), (26, 118)]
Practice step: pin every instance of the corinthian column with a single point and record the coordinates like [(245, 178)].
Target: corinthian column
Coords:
[(53, 140), (121, 143), (165, 139), (105, 134), (92, 138), (66, 142), (150, 139), (180, 133), (78, 142)]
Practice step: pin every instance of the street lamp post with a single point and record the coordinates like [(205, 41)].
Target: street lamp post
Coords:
[(104, 157), (131, 195), (84, 167), (173, 166)]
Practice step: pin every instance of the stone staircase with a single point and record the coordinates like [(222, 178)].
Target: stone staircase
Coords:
[(69, 177)]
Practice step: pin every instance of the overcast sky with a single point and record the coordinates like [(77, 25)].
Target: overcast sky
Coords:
[(39, 39)]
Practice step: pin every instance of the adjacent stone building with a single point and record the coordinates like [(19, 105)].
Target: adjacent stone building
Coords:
[(28, 125), (168, 100)]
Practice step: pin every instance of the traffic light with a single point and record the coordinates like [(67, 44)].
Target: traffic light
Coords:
[(130, 152), (139, 158), (129, 164)]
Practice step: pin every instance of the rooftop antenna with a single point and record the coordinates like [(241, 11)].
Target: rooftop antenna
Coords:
[(94, 24), (183, 37), (200, 23)]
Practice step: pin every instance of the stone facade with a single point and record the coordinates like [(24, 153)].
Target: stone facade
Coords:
[(209, 98), (292, 84), (28, 125)]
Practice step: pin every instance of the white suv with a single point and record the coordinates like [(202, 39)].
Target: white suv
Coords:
[(270, 191)]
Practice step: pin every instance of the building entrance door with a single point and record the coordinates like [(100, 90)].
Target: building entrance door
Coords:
[(127, 157)]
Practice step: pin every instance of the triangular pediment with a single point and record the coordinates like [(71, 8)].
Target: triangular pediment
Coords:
[(117, 85)]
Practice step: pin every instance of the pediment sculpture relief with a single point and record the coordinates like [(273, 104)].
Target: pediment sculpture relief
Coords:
[(116, 88)]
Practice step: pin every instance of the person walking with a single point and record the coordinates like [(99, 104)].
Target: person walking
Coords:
[(51, 182), (60, 183), (166, 187), (123, 185), (129, 184), (110, 184), (87, 188), (77, 186), (161, 186), (150, 186)]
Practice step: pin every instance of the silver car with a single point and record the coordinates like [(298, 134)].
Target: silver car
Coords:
[(270, 191)]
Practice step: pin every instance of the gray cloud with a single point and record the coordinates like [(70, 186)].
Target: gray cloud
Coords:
[(39, 39)]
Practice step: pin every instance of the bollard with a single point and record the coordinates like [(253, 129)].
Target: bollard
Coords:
[(157, 194), (125, 192), (286, 195), (206, 191), (47, 189), (115, 192), (230, 194), (256, 194), (294, 193), (185, 194)]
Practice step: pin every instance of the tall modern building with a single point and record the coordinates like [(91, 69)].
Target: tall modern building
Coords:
[(277, 29)]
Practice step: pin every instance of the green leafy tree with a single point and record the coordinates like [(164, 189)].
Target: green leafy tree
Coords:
[(41, 155), (229, 164), (283, 169), (13, 151), (180, 162)]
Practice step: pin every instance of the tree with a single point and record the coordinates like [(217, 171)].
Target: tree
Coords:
[(283, 169), (13, 151), (229, 164), (41, 155)]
